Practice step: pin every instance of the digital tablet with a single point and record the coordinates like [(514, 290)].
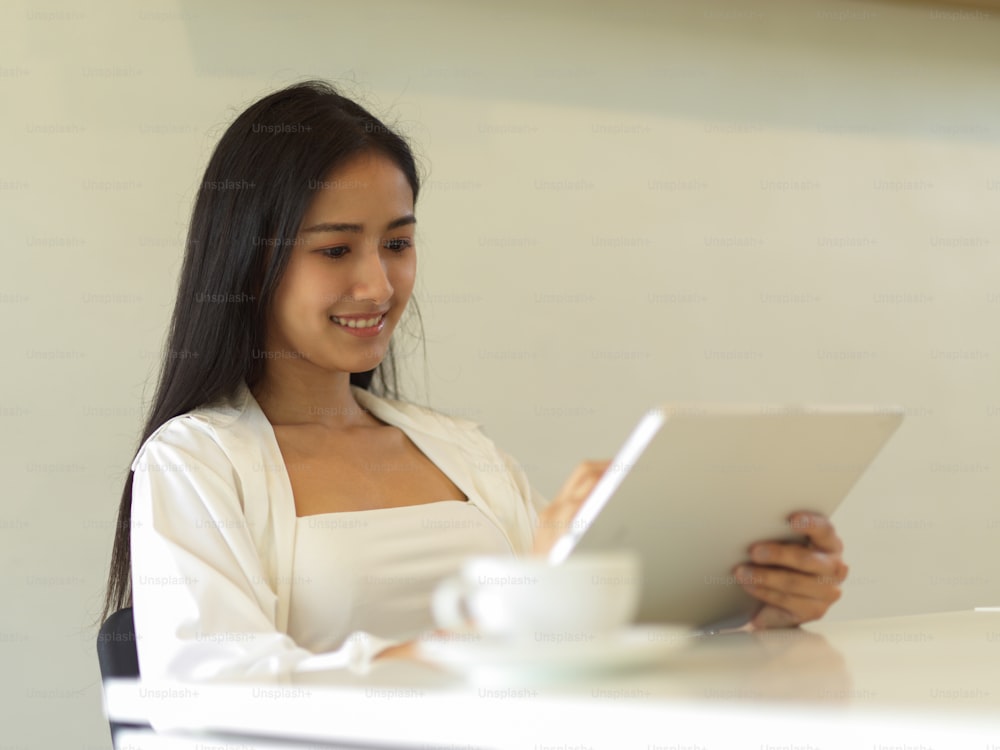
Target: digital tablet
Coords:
[(695, 485)]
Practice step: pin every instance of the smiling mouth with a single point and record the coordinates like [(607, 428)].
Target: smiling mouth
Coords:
[(361, 323)]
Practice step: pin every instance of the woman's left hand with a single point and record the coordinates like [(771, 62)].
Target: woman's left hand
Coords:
[(797, 582)]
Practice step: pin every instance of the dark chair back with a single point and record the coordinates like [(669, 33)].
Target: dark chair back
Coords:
[(116, 646), (116, 653)]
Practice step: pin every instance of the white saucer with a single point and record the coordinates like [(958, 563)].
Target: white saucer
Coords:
[(482, 658)]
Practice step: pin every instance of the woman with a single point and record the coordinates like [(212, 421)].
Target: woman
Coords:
[(280, 516)]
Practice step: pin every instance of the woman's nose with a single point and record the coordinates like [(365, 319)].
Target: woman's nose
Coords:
[(372, 281)]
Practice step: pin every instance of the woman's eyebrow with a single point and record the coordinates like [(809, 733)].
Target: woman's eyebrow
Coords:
[(347, 227)]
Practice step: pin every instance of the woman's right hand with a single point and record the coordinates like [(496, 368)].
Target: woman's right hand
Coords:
[(557, 517)]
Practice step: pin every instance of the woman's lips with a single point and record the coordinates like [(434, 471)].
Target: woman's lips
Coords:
[(362, 326)]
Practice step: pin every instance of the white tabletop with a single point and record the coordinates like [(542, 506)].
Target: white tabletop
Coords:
[(930, 680)]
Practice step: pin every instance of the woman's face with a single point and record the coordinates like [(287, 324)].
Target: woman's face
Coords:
[(350, 272)]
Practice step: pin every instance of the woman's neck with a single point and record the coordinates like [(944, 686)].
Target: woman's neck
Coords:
[(296, 398)]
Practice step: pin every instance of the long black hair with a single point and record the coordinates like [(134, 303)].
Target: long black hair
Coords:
[(256, 189)]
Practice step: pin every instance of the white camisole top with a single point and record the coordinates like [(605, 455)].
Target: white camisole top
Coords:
[(375, 570)]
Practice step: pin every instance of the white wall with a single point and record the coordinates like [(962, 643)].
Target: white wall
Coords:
[(760, 200)]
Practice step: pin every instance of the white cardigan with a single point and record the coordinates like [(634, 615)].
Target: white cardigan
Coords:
[(213, 529)]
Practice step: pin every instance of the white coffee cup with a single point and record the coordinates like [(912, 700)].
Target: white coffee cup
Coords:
[(581, 598)]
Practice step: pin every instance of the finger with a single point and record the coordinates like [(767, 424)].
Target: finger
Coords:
[(558, 517), (582, 480), (818, 530), (772, 617), (796, 609), (797, 557), (755, 578), (842, 572)]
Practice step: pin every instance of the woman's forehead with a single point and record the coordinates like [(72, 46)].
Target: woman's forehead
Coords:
[(367, 188)]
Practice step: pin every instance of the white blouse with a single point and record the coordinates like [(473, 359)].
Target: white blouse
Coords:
[(214, 541), (375, 570)]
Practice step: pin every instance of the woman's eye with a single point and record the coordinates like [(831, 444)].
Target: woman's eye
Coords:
[(334, 252), (398, 245)]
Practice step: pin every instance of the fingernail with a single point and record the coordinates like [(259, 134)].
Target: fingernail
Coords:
[(760, 554)]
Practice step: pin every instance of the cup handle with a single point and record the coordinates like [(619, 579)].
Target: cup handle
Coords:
[(449, 604)]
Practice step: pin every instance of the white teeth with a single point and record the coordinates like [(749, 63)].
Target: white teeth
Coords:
[(356, 322)]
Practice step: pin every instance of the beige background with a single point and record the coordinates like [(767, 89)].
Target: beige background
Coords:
[(748, 201)]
